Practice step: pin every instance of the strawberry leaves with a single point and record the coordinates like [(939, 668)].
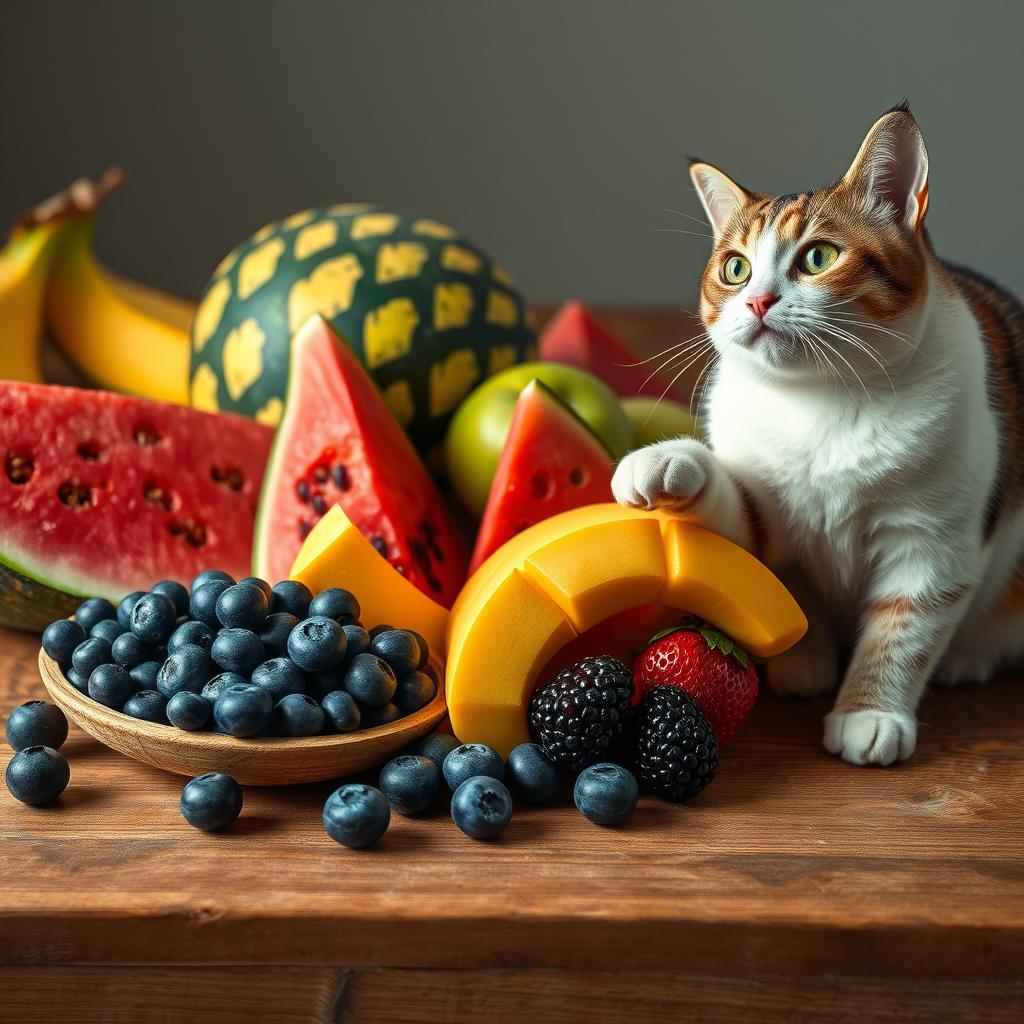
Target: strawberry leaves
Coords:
[(715, 639)]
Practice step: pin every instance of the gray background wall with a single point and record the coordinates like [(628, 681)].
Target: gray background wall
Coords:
[(552, 133)]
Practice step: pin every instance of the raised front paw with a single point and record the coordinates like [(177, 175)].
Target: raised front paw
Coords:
[(870, 737), (668, 474)]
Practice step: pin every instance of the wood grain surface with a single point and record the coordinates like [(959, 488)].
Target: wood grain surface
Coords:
[(796, 888)]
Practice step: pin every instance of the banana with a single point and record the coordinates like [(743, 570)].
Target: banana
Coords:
[(24, 266), (122, 335)]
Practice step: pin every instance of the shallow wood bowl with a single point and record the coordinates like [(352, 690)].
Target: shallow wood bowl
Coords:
[(255, 762)]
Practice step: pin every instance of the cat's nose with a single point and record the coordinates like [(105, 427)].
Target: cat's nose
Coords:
[(760, 304)]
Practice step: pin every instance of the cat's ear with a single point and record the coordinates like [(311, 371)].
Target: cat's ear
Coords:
[(891, 167), (719, 194)]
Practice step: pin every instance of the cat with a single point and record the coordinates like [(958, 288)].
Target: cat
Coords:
[(865, 420)]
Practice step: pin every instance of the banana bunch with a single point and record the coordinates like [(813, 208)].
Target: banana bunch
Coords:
[(118, 334)]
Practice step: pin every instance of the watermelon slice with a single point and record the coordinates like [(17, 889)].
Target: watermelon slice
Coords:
[(574, 337), (339, 444), (102, 494), (551, 462)]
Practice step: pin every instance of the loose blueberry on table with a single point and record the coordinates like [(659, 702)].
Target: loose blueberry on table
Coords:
[(356, 815), (211, 802)]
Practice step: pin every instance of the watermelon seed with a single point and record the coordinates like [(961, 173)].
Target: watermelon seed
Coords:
[(381, 545), (193, 532), (147, 436), (302, 490), (319, 505), (304, 529), (19, 468), (88, 451), (156, 495), (429, 531), (231, 478), (577, 476), (75, 494), (339, 474), (543, 485), (320, 474)]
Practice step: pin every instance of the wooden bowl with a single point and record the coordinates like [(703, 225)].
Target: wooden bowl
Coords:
[(251, 762)]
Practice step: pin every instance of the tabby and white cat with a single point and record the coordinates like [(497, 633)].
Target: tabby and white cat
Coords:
[(866, 426)]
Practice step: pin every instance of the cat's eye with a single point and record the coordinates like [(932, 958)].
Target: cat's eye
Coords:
[(818, 258), (735, 270)]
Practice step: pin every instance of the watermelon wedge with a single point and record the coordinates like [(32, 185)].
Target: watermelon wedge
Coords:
[(551, 462), (574, 337), (338, 444), (102, 494)]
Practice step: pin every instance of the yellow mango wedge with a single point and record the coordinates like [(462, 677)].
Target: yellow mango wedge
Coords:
[(572, 572)]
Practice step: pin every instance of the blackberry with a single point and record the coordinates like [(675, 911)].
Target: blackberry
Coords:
[(579, 717), (676, 750)]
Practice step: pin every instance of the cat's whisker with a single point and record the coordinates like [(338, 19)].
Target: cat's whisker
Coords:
[(664, 351), (851, 367), (689, 216), (860, 346), (682, 231), (698, 343)]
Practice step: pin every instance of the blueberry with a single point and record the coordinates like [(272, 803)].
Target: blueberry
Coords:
[(219, 683), (189, 711), (317, 644), (298, 715), (531, 776), (384, 715), (356, 815), (342, 711), (202, 606), (77, 680), (243, 710), (606, 793), (129, 650), (238, 650), (37, 775), (370, 680), (279, 677), (188, 668), (212, 576), (469, 760), (399, 648), (415, 690), (124, 609), (94, 610), (481, 807), (176, 592), (259, 584), (377, 630), (144, 676), (199, 634), (110, 685), (411, 784), (153, 618), (424, 649), (242, 607), (60, 639), (274, 633), (148, 705), (90, 654), (37, 724), (211, 802), (108, 629), (356, 638), (437, 746), (291, 597), (335, 603)]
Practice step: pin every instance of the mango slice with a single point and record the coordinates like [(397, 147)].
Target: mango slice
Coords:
[(336, 554), (568, 574)]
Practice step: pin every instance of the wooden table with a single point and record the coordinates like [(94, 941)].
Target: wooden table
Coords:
[(797, 888)]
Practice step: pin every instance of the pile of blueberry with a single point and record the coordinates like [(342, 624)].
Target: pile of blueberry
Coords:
[(481, 788), (242, 658)]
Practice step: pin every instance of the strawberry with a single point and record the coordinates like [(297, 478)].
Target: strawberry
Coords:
[(711, 667)]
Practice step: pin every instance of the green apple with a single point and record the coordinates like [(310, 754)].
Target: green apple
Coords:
[(653, 420), (480, 425)]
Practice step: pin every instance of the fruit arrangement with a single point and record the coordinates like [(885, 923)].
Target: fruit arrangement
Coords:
[(244, 659)]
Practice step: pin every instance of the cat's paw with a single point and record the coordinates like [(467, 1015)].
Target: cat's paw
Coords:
[(870, 737), (669, 474), (806, 670)]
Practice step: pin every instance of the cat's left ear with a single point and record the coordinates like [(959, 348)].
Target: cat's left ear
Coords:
[(891, 167)]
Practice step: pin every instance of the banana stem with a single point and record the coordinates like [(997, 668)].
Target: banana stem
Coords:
[(80, 197)]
